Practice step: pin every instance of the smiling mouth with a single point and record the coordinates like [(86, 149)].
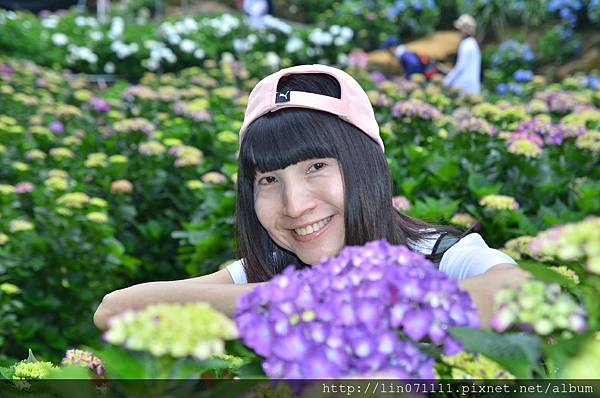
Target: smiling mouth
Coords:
[(313, 228)]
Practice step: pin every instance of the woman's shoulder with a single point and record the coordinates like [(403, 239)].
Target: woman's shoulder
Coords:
[(238, 272), (471, 256)]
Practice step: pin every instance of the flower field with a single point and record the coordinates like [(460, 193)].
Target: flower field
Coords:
[(104, 187)]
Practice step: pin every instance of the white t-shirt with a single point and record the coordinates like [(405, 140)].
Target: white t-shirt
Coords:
[(468, 257), (466, 73)]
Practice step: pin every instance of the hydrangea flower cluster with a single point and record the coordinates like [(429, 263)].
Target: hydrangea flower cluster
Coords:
[(414, 108), (558, 101), (517, 248), (15, 226), (345, 315), (99, 105), (464, 220), (536, 306), (475, 366), (179, 330), (84, 358), (192, 109), (186, 155), (400, 203), (590, 140), (139, 92), (572, 242), (525, 148), (539, 130), (476, 125), (121, 187), (32, 370), (499, 202), (151, 148), (137, 124)]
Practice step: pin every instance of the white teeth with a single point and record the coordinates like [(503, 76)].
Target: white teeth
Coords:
[(313, 227)]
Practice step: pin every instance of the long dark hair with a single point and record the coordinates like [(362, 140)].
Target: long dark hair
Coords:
[(288, 136)]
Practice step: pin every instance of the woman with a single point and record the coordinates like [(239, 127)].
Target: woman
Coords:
[(466, 74), (313, 178)]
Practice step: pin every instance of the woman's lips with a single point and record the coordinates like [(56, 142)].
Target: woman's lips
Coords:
[(312, 235)]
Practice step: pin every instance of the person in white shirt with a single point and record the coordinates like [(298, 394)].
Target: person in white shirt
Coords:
[(312, 179), (466, 74)]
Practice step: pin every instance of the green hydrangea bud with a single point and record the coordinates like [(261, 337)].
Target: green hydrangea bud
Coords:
[(178, 330), (32, 370), (475, 366), (536, 306)]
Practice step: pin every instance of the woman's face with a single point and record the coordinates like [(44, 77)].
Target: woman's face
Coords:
[(302, 208)]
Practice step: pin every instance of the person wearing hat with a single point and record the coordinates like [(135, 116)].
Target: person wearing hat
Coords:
[(411, 61), (313, 178), (466, 74)]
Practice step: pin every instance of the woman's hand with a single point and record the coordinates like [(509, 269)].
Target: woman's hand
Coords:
[(482, 288)]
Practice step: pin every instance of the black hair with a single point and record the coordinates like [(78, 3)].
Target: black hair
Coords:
[(288, 136)]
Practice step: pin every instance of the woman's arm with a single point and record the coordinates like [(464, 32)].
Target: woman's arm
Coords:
[(482, 288), (217, 289)]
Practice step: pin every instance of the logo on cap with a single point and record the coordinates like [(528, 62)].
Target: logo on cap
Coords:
[(282, 97)]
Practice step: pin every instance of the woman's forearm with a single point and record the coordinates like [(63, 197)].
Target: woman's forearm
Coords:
[(482, 288), (222, 297)]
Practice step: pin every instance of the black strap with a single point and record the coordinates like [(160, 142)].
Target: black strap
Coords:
[(443, 243)]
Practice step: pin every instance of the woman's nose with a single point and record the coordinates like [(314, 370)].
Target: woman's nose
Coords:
[(297, 200)]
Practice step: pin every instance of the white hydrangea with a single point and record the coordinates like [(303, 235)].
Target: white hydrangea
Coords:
[(81, 53), (199, 53), (187, 46), (346, 33), (50, 22), (117, 27), (272, 59), (293, 44), (109, 67), (174, 39), (95, 35), (60, 39), (123, 50), (320, 38), (223, 24)]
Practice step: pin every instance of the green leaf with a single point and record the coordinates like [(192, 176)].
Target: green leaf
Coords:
[(122, 364), (546, 274), (186, 368), (409, 184), (30, 357), (443, 168), (7, 373), (516, 352), (69, 372), (480, 186)]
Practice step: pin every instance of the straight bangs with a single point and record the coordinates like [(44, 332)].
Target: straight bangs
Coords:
[(283, 138)]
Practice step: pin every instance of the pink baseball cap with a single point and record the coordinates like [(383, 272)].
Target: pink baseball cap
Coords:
[(354, 106)]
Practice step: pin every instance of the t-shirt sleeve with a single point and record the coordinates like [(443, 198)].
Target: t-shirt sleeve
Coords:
[(237, 272), (471, 256)]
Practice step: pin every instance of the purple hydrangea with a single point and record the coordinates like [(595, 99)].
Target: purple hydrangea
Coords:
[(56, 126), (539, 131), (99, 105), (559, 101), (361, 312), (415, 108)]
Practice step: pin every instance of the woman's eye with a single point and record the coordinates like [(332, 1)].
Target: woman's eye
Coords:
[(267, 180), (316, 166)]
